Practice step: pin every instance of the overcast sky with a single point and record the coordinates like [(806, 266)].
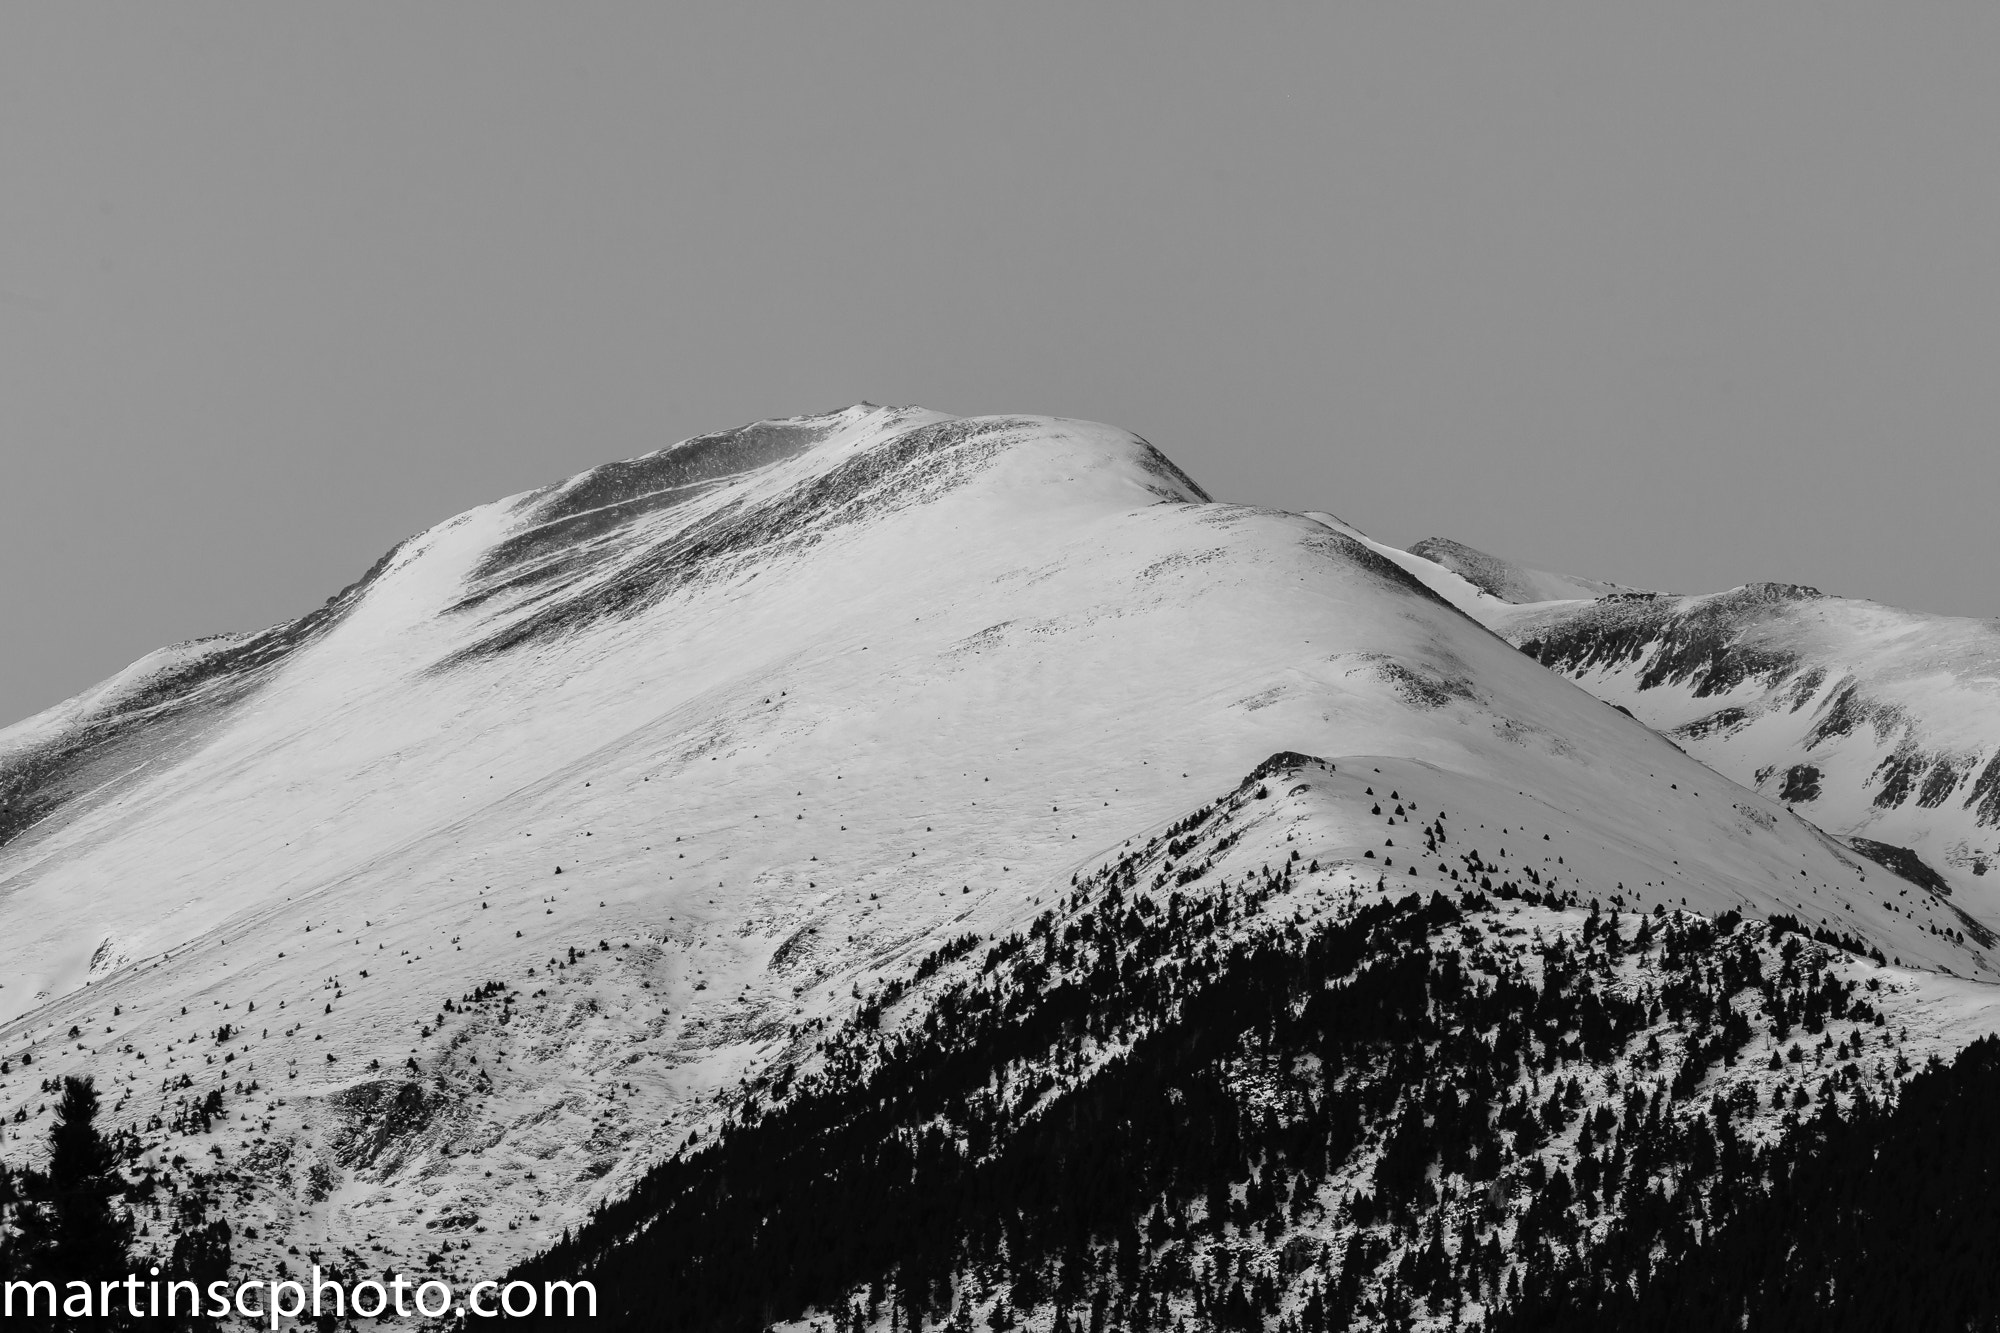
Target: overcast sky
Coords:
[(1678, 295)]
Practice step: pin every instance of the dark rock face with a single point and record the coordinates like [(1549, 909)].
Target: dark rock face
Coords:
[(1801, 784), (1699, 642), (1717, 645), (1723, 719), (1985, 795), (1903, 862), (381, 1119)]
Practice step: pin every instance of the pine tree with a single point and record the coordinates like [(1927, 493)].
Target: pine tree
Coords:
[(70, 1231), (12, 1261)]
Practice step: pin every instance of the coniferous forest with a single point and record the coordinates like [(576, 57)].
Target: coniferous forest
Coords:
[(1272, 1107)]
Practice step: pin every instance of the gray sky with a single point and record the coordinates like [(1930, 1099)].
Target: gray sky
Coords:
[(1677, 295)]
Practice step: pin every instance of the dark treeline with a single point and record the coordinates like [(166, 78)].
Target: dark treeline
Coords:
[(1164, 1110), (1876, 1221), (63, 1224), (73, 1223), (911, 1165)]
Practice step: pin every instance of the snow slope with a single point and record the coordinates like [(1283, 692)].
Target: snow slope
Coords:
[(1466, 577), (1212, 1029), (687, 752), (1877, 723), (1506, 581), (1874, 722)]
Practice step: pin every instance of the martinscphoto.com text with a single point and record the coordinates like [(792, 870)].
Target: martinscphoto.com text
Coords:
[(281, 1299)]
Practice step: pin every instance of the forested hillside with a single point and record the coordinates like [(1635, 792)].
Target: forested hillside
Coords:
[(1295, 1099)]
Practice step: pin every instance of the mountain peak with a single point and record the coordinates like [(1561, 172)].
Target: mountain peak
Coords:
[(792, 708)]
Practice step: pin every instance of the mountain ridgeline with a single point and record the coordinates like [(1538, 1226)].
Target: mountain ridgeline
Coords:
[(886, 870), (1879, 723)]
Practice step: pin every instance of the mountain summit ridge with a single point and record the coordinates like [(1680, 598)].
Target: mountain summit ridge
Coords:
[(590, 808)]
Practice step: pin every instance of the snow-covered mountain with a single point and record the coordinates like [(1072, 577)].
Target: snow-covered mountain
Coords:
[(1232, 1078), (478, 890), (1878, 724), (1508, 582)]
